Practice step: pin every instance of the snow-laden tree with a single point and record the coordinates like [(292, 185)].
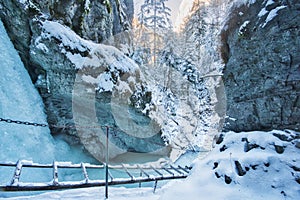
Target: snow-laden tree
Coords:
[(154, 23), (155, 15), (193, 33)]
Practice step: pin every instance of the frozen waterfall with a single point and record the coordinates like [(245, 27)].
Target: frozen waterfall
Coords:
[(19, 100)]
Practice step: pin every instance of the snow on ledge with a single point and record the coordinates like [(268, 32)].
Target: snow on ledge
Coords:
[(272, 14), (71, 41)]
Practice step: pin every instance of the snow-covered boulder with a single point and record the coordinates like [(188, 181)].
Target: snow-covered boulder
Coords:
[(247, 165), (99, 86)]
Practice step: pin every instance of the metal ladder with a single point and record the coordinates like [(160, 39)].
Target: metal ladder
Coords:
[(146, 173)]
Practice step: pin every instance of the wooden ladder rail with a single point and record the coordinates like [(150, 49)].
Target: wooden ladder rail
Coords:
[(158, 175)]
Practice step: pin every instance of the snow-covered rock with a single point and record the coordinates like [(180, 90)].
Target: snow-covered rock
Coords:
[(85, 85), (261, 73), (72, 72), (246, 165), (92, 20), (103, 88)]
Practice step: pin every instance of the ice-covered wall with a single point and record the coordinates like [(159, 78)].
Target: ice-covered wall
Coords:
[(19, 100)]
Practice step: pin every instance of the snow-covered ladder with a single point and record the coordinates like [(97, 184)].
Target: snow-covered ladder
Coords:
[(152, 174)]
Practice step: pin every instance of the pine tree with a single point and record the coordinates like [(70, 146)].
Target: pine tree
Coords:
[(154, 17), (194, 29)]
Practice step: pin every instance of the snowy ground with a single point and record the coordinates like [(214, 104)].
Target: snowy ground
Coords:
[(249, 165)]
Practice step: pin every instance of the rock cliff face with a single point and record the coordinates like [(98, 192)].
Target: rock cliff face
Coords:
[(57, 41), (261, 45), (94, 20), (87, 86)]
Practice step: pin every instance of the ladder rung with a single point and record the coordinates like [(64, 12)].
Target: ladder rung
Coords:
[(55, 173), (143, 171), (110, 175), (183, 169), (85, 174), (156, 171), (177, 170), (168, 171), (126, 170), (17, 173)]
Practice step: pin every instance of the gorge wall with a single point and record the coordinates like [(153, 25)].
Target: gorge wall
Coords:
[(260, 46), (77, 54), (84, 83), (92, 20), (58, 41)]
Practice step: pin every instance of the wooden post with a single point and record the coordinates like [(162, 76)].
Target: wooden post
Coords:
[(106, 165)]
